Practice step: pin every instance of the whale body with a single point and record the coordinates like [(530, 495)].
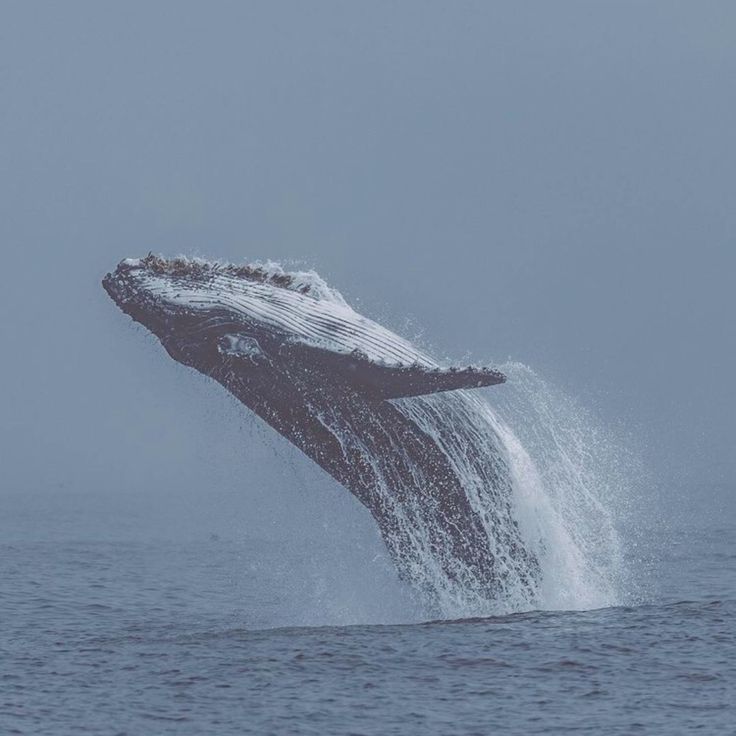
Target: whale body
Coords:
[(406, 437)]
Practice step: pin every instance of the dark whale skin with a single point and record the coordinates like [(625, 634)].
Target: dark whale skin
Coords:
[(390, 430)]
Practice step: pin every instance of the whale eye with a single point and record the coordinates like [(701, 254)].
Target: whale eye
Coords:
[(239, 346)]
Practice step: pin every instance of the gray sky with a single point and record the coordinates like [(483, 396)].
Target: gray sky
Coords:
[(550, 182)]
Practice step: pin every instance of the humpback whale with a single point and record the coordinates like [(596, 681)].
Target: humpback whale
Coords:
[(407, 437)]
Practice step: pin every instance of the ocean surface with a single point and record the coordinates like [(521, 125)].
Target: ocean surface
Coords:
[(113, 622)]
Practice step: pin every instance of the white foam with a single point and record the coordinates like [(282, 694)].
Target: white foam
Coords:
[(569, 481)]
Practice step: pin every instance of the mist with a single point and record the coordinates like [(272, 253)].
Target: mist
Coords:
[(499, 182)]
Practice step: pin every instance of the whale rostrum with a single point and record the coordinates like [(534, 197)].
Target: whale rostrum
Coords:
[(405, 436)]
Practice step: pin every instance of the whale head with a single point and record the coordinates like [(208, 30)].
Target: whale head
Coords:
[(236, 322), (205, 311)]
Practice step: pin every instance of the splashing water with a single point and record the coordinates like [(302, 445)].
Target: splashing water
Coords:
[(567, 478), (571, 481), (538, 472), (467, 431), (483, 511)]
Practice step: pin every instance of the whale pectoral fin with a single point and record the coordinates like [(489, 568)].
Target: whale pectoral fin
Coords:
[(382, 381), (396, 382)]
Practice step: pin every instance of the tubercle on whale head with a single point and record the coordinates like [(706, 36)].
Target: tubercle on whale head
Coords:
[(129, 287), (306, 282), (126, 289), (197, 269)]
